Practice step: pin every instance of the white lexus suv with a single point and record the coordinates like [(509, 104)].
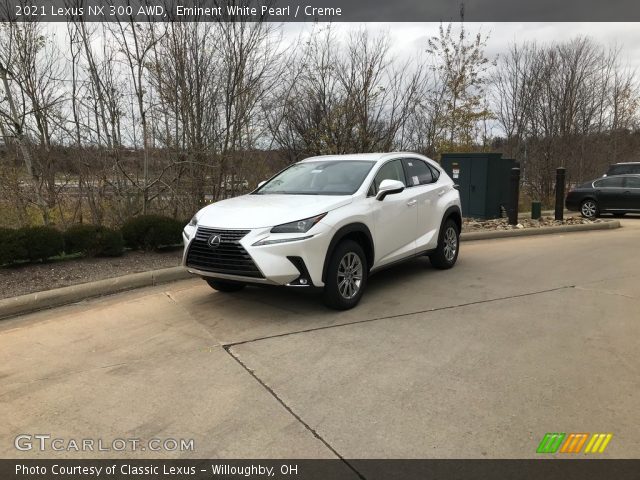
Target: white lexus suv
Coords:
[(328, 222)]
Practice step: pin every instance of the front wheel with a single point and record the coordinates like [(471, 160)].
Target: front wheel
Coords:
[(346, 276), (224, 285), (446, 253), (589, 209)]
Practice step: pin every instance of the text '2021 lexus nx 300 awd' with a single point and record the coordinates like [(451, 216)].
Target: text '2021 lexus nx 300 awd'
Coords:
[(328, 222)]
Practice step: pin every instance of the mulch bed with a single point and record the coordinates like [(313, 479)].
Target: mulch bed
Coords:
[(21, 279)]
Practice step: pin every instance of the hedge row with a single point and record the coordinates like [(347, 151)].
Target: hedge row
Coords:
[(34, 244), (148, 232), (93, 241)]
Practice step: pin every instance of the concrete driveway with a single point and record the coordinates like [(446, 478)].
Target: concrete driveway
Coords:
[(524, 336)]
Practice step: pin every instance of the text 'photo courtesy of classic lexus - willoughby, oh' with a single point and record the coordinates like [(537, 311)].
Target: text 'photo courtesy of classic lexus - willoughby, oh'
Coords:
[(328, 222)]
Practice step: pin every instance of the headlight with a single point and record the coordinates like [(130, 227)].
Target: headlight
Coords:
[(193, 222), (299, 226)]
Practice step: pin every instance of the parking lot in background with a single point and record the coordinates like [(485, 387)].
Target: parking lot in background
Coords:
[(524, 336)]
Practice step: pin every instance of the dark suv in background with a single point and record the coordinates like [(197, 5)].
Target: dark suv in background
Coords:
[(624, 168)]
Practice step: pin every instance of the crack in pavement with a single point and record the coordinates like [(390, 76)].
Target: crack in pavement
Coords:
[(399, 315), (606, 292), (605, 279), (284, 405), (168, 294)]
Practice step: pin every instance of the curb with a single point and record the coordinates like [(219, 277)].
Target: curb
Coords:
[(32, 302), (525, 232)]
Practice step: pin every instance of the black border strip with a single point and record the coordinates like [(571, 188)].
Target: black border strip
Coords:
[(200, 469), (322, 10)]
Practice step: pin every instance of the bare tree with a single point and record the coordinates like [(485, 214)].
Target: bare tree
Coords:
[(30, 73), (341, 100), (459, 61), (563, 104)]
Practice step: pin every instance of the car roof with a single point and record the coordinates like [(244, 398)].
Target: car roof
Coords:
[(635, 175), (620, 175), (370, 157)]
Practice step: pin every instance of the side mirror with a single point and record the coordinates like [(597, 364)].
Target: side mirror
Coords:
[(389, 187), (261, 183)]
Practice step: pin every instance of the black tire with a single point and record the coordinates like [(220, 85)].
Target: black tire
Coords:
[(225, 286), (589, 209), (336, 292), (448, 240)]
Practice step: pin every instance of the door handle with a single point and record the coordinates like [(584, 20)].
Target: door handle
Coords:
[(411, 203), (441, 192)]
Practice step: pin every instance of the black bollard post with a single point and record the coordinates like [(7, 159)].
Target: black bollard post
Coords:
[(514, 195), (560, 173)]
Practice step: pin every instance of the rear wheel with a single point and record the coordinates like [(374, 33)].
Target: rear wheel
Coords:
[(225, 285), (589, 209), (446, 254), (346, 276)]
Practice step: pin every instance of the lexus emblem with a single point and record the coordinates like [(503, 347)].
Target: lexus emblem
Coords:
[(214, 241)]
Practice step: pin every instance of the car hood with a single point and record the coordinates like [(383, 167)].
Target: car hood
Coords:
[(258, 211)]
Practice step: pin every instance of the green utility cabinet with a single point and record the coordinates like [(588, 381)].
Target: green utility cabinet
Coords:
[(483, 182)]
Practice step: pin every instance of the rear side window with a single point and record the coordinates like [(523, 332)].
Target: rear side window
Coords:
[(418, 172), (609, 182), (632, 182), (435, 172)]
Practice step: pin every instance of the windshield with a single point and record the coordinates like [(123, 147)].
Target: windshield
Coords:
[(342, 177)]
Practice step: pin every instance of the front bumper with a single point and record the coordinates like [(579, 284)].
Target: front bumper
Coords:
[(288, 263)]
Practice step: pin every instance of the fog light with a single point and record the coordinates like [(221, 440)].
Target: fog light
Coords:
[(303, 281)]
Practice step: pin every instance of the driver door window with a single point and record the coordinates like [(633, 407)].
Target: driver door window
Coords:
[(389, 171)]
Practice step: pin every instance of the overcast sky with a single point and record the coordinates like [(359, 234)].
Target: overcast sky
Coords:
[(409, 38)]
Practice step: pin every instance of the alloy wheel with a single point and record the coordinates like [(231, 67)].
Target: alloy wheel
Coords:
[(450, 244), (589, 209), (349, 275)]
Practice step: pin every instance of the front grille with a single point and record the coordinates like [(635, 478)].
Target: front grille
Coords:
[(229, 257)]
